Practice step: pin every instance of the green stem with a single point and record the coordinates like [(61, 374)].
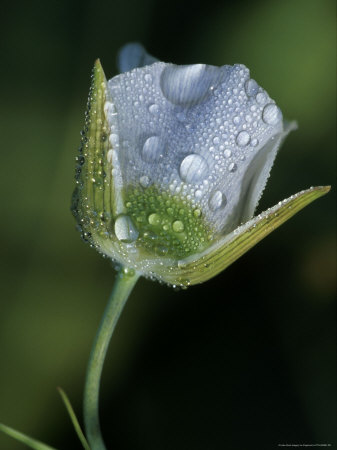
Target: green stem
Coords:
[(125, 281)]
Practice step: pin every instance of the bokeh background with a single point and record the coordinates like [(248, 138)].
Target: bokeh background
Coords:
[(246, 360)]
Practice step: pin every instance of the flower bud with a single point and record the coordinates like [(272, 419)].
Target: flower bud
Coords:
[(173, 160)]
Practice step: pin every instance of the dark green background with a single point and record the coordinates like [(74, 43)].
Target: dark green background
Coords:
[(246, 360)]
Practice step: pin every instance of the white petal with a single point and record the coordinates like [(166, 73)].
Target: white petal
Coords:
[(209, 134), (133, 55)]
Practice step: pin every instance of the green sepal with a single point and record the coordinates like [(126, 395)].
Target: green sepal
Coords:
[(24, 439), (93, 199), (203, 266), (73, 419)]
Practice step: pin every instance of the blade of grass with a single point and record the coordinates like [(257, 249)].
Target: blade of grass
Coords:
[(73, 418), (24, 439)]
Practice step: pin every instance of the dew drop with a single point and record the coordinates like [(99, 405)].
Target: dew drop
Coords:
[(153, 149), (242, 139), (227, 153), (251, 87), (232, 167), (148, 77), (197, 212), (154, 219), (188, 85), (271, 114), (198, 193), (216, 140), (217, 200), (113, 139), (193, 168), (254, 142), (178, 226), (154, 108), (144, 181), (260, 98), (109, 156), (125, 229)]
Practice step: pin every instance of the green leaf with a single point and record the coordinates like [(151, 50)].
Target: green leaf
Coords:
[(24, 439), (73, 419), (203, 266)]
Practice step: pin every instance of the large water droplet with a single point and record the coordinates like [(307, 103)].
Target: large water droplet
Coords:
[(178, 226), (271, 114), (242, 139), (193, 168), (154, 109), (251, 87), (188, 85), (217, 200), (154, 219), (125, 229), (153, 149)]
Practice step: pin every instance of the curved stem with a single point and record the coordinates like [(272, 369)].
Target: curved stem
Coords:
[(124, 283)]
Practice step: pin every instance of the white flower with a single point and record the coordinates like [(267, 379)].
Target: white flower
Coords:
[(173, 160)]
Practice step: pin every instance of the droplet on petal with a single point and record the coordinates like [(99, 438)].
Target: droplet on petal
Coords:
[(178, 226), (271, 114), (144, 181), (217, 200), (125, 229), (153, 149), (251, 88), (188, 85), (193, 168), (242, 139), (232, 167)]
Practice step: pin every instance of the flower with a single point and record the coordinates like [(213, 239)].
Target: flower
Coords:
[(173, 161)]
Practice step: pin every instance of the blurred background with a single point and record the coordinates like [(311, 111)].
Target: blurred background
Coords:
[(246, 360)]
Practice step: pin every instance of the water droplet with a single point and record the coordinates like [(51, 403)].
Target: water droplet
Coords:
[(236, 120), (197, 212), (254, 142), (178, 226), (113, 139), (193, 168), (251, 87), (148, 77), (227, 153), (125, 229), (153, 149), (109, 156), (217, 200), (242, 139), (198, 193), (144, 181), (271, 114), (216, 140), (232, 167), (188, 85), (154, 219), (154, 108), (260, 98)]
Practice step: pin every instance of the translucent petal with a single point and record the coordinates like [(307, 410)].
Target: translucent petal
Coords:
[(133, 55), (209, 134)]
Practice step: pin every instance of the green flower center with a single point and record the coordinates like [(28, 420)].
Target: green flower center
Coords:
[(167, 224)]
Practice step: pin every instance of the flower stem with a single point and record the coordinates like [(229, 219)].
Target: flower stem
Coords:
[(124, 283)]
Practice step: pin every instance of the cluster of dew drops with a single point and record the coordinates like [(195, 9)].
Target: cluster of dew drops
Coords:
[(228, 130)]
